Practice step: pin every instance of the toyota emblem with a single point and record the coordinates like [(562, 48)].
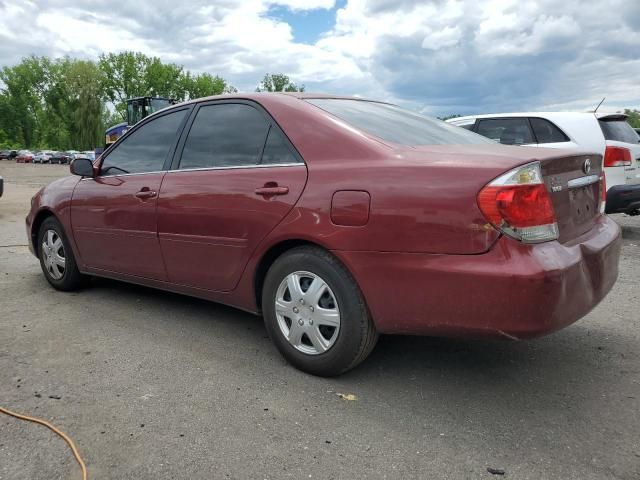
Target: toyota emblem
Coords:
[(587, 166)]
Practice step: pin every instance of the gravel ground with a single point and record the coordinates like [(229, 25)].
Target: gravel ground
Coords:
[(153, 385)]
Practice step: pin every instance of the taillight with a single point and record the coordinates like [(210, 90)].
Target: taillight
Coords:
[(518, 204), (617, 157)]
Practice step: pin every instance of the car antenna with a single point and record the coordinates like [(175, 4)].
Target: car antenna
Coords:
[(601, 102)]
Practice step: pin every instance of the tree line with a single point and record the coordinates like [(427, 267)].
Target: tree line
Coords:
[(67, 103)]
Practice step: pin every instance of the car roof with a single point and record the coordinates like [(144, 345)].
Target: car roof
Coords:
[(273, 96), (549, 115)]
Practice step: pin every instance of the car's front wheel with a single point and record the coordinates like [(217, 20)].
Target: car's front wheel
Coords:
[(315, 313), (56, 257)]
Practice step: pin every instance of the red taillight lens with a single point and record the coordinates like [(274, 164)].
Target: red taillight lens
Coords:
[(617, 157), (518, 204)]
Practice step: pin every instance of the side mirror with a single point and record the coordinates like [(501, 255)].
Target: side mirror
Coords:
[(82, 167)]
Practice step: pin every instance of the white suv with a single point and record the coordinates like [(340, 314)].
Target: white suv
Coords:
[(606, 134)]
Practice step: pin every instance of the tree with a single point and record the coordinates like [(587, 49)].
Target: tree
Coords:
[(23, 85), (634, 117), (204, 85), (134, 74), (278, 82), (124, 76), (66, 103), (85, 82)]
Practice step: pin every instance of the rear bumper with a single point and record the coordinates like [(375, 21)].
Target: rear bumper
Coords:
[(623, 198), (514, 290)]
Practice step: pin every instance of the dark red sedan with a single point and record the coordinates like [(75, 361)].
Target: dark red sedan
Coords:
[(24, 156), (338, 219)]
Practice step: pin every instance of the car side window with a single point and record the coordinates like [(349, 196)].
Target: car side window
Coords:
[(276, 150), (146, 148), (509, 131), (225, 135), (547, 132)]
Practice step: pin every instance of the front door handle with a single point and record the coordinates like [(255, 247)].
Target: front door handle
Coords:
[(146, 193), (269, 191)]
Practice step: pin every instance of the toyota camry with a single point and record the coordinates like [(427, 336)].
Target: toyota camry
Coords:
[(336, 219)]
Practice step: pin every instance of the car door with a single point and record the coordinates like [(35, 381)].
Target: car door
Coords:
[(113, 215), (235, 179)]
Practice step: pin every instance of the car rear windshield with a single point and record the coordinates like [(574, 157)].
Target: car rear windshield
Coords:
[(618, 130), (396, 125)]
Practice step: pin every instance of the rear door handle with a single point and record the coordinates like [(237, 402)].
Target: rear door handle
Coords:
[(146, 193), (268, 191)]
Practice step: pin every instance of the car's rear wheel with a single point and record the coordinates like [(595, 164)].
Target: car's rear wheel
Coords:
[(315, 313), (56, 257)]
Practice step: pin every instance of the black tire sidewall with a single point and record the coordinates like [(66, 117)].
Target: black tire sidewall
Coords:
[(353, 312)]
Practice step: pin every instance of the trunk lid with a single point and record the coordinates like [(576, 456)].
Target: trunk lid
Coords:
[(573, 182)]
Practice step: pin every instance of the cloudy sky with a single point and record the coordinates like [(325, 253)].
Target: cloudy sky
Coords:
[(438, 56)]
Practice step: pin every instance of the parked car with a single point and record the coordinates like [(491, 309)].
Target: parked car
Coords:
[(638, 132), (8, 154), (24, 156), (86, 154), (43, 156), (606, 134), (337, 219), (60, 158)]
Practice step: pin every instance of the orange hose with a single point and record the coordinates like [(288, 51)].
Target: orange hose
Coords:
[(55, 430)]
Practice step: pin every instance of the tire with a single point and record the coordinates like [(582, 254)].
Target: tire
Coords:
[(62, 276), (331, 330)]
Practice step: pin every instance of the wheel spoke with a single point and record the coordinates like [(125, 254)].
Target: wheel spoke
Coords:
[(57, 244), (50, 238), (315, 291), (317, 340), (293, 282), (58, 260), (285, 308), (56, 270), (325, 316), (295, 334)]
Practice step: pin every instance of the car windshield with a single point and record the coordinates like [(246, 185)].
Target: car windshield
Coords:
[(397, 125), (619, 131)]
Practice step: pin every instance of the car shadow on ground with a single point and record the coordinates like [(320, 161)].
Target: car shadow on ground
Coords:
[(559, 359)]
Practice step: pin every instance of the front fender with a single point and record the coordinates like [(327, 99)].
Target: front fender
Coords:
[(54, 199)]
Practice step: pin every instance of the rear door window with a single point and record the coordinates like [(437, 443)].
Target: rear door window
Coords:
[(225, 135), (276, 150), (618, 130), (547, 132), (508, 131)]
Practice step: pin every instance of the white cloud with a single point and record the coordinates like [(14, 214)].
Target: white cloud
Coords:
[(441, 56)]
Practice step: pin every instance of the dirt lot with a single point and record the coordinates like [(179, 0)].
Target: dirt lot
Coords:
[(153, 385)]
